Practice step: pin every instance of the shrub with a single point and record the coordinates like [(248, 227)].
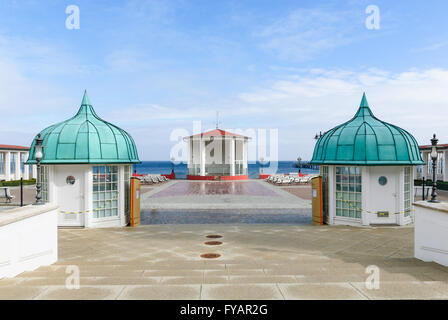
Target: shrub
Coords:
[(16, 183), (441, 185)]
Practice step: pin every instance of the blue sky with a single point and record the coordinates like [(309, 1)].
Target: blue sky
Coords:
[(155, 66)]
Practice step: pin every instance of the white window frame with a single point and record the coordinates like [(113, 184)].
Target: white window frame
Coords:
[(349, 199)]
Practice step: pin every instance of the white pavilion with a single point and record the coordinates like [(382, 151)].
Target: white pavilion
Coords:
[(12, 163), (217, 155), (366, 168), (86, 169)]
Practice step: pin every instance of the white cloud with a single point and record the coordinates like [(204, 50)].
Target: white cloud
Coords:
[(304, 104), (303, 33)]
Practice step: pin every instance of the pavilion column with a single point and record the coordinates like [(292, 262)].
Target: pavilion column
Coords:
[(191, 163), (444, 166), (8, 165), (202, 156), (34, 171), (18, 167), (232, 157), (26, 172), (244, 151), (427, 166)]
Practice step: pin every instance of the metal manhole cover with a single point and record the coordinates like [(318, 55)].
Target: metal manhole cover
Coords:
[(210, 255), (213, 243), (213, 236)]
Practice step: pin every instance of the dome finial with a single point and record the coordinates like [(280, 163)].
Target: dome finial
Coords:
[(364, 103), (85, 99)]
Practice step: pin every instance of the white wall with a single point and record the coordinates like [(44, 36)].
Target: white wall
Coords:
[(431, 232), (375, 197), (28, 238), (79, 197)]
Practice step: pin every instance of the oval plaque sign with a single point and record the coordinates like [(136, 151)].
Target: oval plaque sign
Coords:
[(382, 180), (70, 180)]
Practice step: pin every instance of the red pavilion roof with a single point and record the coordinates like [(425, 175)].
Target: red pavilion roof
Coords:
[(217, 133), (428, 147), (12, 147)]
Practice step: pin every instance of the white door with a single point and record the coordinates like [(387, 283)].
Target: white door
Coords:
[(384, 193), (69, 180)]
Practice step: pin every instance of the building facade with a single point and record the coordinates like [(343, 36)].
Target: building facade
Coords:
[(12, 163), (367, 171), (217, 154), (86, 169), (425, 170)]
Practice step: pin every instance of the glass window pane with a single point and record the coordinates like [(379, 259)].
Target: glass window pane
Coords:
[(105, 191), (348, 189)]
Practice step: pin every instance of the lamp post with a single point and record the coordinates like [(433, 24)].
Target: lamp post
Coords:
[(434, 155), (38, 156), (299, 160), (172, 162)]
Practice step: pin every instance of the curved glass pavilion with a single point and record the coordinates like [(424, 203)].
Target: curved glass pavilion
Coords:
[(366, 168), (86, 167)]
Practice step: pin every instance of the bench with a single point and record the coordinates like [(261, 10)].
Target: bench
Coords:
[(5, 193), (418, 192)]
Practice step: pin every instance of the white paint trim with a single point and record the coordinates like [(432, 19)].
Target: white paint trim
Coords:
[(232, 157), (121, 200), (331, 194), (202, 157), (365, 194), (7, 165)]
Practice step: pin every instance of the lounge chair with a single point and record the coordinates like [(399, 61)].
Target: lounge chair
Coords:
[(154, 180), (148, 179)]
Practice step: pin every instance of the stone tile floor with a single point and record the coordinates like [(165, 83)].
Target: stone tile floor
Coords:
[(199, 188), (251, 194), (233, 216), (257, 262)]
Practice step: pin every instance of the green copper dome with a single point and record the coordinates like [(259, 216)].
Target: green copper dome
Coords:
[(366, 140), (85, 138)]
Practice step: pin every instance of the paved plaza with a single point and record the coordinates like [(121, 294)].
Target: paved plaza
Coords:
[(250, 194), (256, 262), (205, 202)]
